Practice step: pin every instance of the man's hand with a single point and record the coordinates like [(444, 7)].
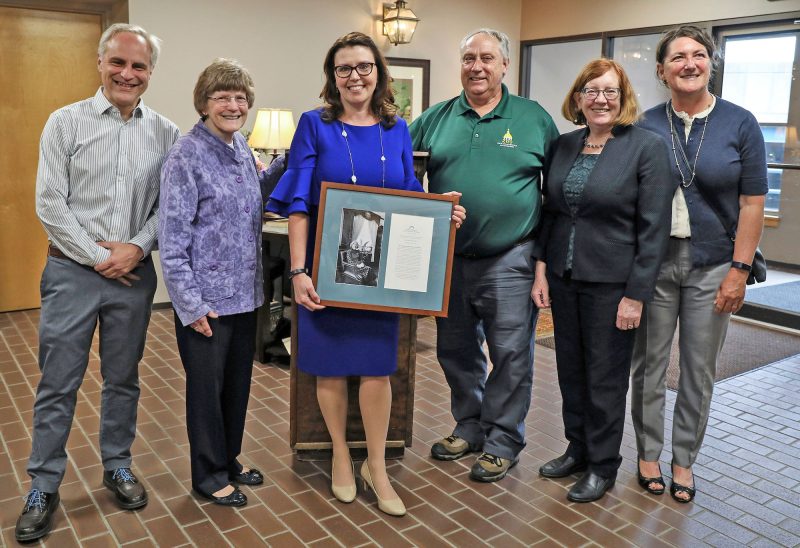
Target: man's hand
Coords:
[(124, 258)]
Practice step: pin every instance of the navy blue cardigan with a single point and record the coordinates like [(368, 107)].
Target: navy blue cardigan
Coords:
[(732, 162)]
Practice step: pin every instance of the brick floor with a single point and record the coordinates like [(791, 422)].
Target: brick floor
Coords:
[(748, 473)]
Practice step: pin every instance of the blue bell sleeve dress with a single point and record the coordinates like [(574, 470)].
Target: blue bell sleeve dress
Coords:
[(337, 342)]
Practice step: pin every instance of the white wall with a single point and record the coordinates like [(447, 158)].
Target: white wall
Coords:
[(283, 43)]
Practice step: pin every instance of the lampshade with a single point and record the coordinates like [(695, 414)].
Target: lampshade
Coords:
[(273, 130), (399, 23)]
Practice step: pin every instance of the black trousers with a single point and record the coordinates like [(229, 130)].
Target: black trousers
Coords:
[(218, 373), (593, 359)]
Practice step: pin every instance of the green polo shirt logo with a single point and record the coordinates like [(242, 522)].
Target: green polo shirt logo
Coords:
[(508, 140)]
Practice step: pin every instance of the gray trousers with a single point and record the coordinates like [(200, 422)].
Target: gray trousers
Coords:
[(74, 299), (490, 301), (686, 294)]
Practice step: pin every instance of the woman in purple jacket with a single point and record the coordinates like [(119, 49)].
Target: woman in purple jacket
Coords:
[(209, 233)]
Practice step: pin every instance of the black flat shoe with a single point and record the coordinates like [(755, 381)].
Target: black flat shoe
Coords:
[(237, 498), (251, 477), (563, 466), (590, 487), (676, 488), (36, 518), (130, 494), (646, 483)]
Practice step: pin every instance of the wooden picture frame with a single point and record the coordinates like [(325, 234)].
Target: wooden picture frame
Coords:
[(411, 85), (384, 249)]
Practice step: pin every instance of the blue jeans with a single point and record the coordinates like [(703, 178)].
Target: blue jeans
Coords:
[(490, 301)]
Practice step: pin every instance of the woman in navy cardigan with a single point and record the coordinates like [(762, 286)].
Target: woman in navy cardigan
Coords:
[(604, 232), (718, 157)]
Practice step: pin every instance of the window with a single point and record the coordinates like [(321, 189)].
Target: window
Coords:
[(553, 69), (758, 75), (637, 55)]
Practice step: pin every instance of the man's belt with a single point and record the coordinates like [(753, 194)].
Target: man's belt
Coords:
[(524, 239), (53, 251)]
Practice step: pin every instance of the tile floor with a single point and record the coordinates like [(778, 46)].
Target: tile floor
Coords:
[(748, 473)]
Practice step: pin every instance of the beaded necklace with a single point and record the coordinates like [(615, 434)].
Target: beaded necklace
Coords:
[(693, 165), (587, 144), (350, 154)]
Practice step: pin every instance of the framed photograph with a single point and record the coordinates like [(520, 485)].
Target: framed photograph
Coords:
[(411, 85), (384, 249)]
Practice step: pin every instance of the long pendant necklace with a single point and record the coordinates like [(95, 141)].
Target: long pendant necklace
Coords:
[(350, 154), (692, 166)]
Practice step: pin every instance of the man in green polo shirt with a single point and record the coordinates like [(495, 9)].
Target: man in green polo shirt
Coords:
[(490, 146)]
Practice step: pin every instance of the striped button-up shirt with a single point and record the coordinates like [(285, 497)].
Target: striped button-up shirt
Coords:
[(98, 177)]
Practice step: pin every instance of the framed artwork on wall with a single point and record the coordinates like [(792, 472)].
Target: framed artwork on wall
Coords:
[(411, 84)]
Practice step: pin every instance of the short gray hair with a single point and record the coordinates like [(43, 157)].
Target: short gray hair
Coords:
[(501, 37), (152, 40)]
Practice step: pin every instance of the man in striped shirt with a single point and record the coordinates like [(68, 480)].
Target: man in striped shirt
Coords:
[(97, 198)]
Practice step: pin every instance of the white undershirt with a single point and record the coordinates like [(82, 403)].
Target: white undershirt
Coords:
[(680, 212)]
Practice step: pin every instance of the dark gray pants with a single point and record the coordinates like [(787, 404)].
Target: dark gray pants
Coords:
[(74, 299), (490, 301)]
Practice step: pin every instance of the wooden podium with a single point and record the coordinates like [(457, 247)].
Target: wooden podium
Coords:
[(307, 433)]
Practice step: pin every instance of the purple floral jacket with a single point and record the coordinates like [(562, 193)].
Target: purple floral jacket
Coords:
[(209, 226)]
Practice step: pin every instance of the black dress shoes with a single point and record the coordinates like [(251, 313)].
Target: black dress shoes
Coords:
[(590, 487), (251, 477), (236, 498), (563, 466), (130, 494), (36, 519)]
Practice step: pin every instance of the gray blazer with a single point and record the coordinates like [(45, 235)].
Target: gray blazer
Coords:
[(622, 224)]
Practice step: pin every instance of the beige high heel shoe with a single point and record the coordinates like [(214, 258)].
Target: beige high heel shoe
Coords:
[(344, 493), (393, 507)]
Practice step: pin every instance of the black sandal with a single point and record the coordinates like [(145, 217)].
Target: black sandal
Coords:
[(646, 482), (676, 488)]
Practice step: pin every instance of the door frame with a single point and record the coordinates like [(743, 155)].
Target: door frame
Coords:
[(110, 11)]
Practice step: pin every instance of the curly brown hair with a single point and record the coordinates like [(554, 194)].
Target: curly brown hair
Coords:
[(382, 103)]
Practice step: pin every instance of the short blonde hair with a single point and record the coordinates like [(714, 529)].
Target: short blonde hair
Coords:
[(222, 75), (628, 105)]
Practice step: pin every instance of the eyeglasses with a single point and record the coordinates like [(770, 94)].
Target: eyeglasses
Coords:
[(240, 100), (592, 93), (344, 71)]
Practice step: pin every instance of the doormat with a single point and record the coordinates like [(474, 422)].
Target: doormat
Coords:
[(747, 347)]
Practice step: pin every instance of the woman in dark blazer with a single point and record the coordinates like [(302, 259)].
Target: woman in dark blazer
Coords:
[(604, 232)]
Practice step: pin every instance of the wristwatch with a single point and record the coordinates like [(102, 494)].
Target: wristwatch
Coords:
[(296, 271), (741, 266)]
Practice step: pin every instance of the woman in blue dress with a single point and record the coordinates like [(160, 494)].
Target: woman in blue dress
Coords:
[(355, 137)]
